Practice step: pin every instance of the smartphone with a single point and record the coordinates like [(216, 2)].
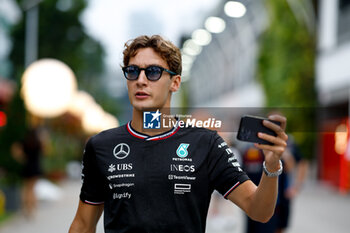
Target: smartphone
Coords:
[(251, 125)]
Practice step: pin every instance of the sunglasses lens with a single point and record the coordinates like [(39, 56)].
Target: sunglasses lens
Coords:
[(153, 73), (131, 72)]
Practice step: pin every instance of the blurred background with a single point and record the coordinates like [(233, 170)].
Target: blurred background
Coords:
[(60, 77)]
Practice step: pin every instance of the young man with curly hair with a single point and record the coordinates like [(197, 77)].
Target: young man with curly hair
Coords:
[(162, 181)]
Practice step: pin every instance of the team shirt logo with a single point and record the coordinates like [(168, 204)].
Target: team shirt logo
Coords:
[(182, 168), (121, 151), (182, 188), (111, 168), (151, 120), (182, 150)]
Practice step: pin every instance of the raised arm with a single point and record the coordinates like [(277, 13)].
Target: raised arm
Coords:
[(259, 201), (86, 218)]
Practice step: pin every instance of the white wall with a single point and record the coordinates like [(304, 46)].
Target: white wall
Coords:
[(333, 61)]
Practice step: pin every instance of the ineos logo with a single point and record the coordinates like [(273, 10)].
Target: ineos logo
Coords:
[(121, 151), (182, 168)]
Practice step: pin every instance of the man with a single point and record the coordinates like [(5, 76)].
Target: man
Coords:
[(162, 181)]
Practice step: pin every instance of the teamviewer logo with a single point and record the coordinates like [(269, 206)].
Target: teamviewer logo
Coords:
[(151, 120)]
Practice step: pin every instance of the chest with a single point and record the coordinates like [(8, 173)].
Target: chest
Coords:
[(166, 169)]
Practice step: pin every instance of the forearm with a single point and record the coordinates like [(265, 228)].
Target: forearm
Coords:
[(86, 218), (79, 227), (263, 201), (265, 196)]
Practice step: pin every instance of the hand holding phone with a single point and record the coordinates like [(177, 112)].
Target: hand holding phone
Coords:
[(250, 126)]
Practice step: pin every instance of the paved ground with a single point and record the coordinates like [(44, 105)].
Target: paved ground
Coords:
[(52, 216), (318, 209)]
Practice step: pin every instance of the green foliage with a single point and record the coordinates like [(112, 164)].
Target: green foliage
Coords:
[(61, 149), (13, 131), (5, 217), (63, 37), (286, 70)]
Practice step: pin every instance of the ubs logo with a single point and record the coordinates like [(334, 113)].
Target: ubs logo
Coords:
[(121, 151)]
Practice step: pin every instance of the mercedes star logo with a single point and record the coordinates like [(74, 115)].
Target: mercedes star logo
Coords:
[(121, 151)]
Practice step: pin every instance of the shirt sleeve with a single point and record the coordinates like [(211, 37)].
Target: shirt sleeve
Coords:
[(225, 172), (92, 180)]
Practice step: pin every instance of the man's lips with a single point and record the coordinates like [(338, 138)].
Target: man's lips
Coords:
[(141, 95)]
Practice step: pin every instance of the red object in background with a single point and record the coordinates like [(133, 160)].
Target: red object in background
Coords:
[(344, 171), (329, 160), (3, 119), (334, 168)]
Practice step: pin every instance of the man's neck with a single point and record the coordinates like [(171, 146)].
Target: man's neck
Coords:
[(137, 122)]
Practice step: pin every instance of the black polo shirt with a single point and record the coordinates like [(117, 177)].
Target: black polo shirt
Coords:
[(157, 184)]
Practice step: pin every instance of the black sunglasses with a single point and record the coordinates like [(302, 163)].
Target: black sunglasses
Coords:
[(153, 73)]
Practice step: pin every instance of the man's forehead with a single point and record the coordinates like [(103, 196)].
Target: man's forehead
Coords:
[(146, 57)]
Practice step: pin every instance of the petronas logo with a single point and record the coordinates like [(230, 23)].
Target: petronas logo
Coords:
[(182, 150)]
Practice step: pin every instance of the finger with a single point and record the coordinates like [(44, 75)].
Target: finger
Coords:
[(272, 126), (279, 118), (278, 129), (276, 149), (275, 140)]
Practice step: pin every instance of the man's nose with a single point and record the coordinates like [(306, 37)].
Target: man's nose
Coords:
[(142, 77)]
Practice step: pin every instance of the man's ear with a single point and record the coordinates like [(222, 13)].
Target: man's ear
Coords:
[(175, 84)]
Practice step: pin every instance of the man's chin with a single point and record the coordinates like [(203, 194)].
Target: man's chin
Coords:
[(145, 107)]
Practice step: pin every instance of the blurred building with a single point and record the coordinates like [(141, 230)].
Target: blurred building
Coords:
[(333, 73), (223, 74), (333, 84)]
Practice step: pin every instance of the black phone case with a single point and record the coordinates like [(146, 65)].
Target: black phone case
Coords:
[(250, 126)]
